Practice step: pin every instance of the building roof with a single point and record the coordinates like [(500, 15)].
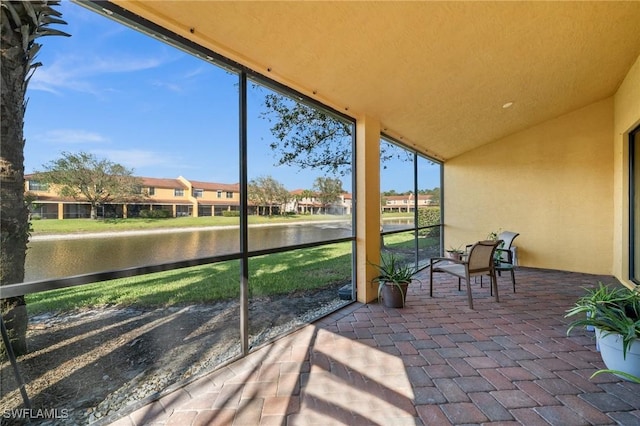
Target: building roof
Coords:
[(162, 183), (299, 191), (215, 186)]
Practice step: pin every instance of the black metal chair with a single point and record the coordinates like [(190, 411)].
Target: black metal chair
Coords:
[(505, 261)]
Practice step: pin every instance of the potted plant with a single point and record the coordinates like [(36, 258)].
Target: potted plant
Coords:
[(493, 235), (614, 312), (498, 255), (455, 253), (393, 281)]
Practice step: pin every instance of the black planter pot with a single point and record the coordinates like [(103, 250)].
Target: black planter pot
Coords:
[(394, 295)]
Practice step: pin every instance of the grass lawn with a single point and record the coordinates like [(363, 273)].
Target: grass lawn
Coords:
[(274, 274), (55, 226)]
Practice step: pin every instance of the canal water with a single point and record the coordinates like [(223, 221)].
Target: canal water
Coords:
[(73, 255), (68, 256)]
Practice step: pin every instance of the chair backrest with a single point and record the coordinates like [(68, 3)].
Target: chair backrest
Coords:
[(507, 237), (481, 255)]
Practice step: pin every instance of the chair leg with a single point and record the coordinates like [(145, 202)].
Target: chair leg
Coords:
[(469, 297), (513, 280), (494, 282), (431, 281), (458, 284)]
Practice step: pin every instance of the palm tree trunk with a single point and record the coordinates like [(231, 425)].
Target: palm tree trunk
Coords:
[(21, 23), (14, 225)]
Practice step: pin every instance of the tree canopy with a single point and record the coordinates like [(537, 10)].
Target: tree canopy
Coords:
[(266, 192), (308, 137), (82, 176), (312, 138), (327, 190)]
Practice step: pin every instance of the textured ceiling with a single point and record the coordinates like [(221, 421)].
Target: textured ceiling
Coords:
[(435, 74)]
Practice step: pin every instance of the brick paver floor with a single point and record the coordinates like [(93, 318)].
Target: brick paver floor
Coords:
[(434, 362)]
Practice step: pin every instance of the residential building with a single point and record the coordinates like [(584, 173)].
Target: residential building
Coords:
[(531, 108), (180, 196), (307, 202), (405, 203)]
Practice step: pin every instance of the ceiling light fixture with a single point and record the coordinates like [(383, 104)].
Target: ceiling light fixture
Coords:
[(507, 105)]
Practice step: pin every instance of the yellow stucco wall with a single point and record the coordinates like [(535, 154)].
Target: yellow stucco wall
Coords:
[(626, 118), (367, 207), (552, 183), (164, 194)]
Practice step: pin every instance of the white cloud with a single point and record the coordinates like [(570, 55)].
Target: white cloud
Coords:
[(172, 87), (71, 136), (177, 85), (77, 73), (195, 72)]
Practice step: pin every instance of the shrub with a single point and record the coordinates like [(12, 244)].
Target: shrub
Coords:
[(426, 217), (155, 214), (231, 213)]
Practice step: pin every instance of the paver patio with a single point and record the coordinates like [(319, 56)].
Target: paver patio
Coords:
[(434, 362)]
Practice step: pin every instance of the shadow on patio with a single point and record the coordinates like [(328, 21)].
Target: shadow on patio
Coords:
[(433, 362)]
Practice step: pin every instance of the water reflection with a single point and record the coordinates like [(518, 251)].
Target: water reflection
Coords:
[(47, 259), (396, 224)]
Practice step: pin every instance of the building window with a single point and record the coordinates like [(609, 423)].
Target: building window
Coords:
[(229, 194), (38, 186), (178, 192), (634, 205), (198, 193), (219, 194), (151, 191)]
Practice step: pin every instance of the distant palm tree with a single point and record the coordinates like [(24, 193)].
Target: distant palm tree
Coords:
[(22, 23)]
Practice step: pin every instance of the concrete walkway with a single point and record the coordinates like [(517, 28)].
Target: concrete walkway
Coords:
[(435, 362)]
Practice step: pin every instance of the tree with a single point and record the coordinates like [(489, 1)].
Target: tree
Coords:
[(87, 178), (21, 22), (307, 194), (328, 190), (308, 137), (435, 195), (266, 192)]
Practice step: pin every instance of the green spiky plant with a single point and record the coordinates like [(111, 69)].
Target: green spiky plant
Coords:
[(627, 376), (613, 310), (394, 271)]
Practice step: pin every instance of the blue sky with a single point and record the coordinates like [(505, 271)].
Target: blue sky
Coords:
[(126, 97)]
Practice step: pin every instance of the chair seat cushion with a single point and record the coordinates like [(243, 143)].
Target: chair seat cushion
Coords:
[(502, 266), (454, 269)]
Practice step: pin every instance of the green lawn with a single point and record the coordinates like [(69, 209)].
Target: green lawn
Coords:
[(55, 226), (274, 274)]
